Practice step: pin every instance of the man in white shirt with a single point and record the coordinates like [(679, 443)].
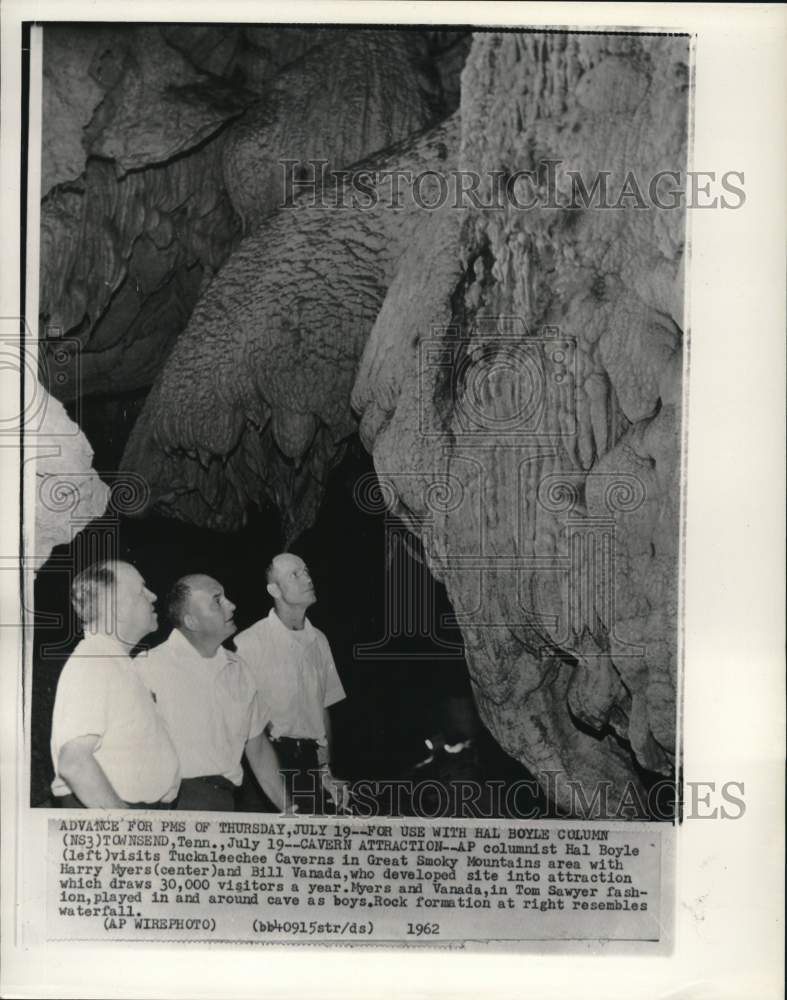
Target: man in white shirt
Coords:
[(209, 700), (294, 670), (110, 748)]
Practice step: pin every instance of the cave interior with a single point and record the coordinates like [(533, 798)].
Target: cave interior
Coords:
[(241, 362)]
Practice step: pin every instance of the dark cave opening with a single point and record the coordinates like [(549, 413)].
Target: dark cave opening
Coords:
[(387, 619)]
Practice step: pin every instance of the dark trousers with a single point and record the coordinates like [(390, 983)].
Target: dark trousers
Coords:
[(300, 769), (211, 793), (70, 801)]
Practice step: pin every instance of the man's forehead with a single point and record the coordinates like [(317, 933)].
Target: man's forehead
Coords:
[(126, 573), (201, 583), (287, 562)]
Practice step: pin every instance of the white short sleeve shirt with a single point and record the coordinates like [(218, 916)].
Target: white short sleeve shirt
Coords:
[(295, 673), (210, 705), (99, 694)]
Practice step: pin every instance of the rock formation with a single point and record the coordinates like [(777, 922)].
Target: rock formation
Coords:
[(315, 112), (254, 401), (69, 494), (134, 216), (161, 143), (510, 356), (547, 403)]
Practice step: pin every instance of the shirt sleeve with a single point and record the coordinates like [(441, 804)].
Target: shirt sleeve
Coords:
[(259, 717), (334, 691), (82, 700), (246, 646), (259, 709)]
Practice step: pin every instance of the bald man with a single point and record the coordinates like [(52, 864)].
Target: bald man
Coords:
[(110, 747), (294, 670), (209, 700)]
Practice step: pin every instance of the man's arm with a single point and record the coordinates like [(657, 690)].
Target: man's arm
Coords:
[(83, 774), (325, 753), (337, 789), (265, 765)]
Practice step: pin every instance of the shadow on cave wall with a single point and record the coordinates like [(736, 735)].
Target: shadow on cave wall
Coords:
[(403, 670)]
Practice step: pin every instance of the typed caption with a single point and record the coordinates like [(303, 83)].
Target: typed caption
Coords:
[(144, 877)]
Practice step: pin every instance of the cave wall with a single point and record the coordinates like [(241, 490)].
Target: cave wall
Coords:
[(162, 147), (515, 373), (133, 216), (555, 426)]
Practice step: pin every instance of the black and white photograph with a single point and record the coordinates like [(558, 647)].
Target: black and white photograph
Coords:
[(356, 383), (387, 324)]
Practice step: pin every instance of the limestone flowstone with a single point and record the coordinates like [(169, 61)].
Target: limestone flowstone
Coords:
[(514, 368), (69, 494), (555, 410)]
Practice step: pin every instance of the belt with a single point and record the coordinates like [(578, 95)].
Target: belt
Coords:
[(70, 801), (217, 780), (297, 741)]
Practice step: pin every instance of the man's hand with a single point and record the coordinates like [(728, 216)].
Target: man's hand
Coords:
[(338, 791), (265, 765)]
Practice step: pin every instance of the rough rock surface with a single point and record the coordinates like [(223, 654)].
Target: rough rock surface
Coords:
[(555, 424), (254, 401), (69, 494), (122, 264), (519, 390), (146, 181), (125, 96), (311, 112), (134, 215)]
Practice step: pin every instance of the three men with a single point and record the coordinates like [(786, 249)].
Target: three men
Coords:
[(174, 723), (294, 669), (110, 748), (209, 700)]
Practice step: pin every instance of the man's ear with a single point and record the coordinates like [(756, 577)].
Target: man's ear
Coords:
[(189, 621), (273, 590)]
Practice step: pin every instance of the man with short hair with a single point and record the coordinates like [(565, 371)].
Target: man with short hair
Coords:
[(209, 700), (110, 749), (294, 669)]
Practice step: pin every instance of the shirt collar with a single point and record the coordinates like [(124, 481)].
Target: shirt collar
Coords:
[(182, 648), (308, 629), (106, 643)]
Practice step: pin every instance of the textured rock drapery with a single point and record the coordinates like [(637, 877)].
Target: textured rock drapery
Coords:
[(515, 373), (162, 144), (553, 414), (69, 494), (272, 350)]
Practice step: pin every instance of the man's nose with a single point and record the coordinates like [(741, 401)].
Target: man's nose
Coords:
[(151, 596), (230, 606)]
